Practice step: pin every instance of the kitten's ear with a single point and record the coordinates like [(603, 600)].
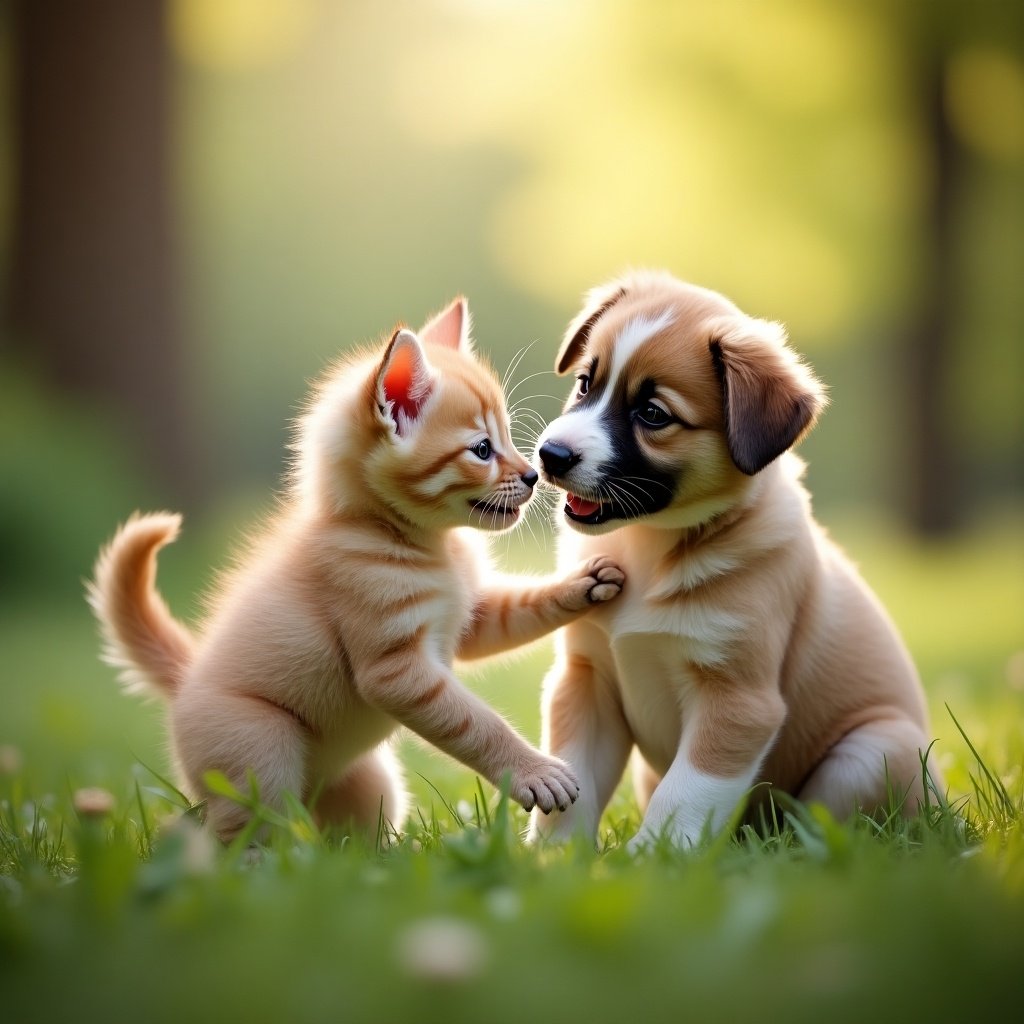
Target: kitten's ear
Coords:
[(450, 327), (404, 380), (598, 302), (771, 399)]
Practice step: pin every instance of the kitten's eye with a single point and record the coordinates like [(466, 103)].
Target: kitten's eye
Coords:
[(653, 415), (583, 380), (482, 450)]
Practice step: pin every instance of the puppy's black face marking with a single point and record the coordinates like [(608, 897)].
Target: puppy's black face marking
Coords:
[(594, 451), (629, 485)]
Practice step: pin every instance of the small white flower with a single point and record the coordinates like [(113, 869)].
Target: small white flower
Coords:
[(93, 802), (198, 849), (10, 759), (442, 949), (504, 904)]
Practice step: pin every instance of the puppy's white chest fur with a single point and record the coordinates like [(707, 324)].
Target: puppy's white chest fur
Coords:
[(656, 690), (687, 628), (658, 634)]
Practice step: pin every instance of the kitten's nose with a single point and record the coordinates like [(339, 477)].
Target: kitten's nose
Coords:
[(530, 477), (557, 459)]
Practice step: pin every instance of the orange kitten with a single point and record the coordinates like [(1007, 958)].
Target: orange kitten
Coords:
[(343, 621)]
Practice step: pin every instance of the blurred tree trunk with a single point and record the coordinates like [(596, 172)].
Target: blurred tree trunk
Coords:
[(93, 288), (935, 490)]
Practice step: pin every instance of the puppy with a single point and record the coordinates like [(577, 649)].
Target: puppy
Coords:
[(745, 649)]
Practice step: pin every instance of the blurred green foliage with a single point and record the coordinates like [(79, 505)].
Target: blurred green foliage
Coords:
[(344, 166)]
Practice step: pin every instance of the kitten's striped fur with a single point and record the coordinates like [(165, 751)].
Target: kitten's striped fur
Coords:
[(344, 620)]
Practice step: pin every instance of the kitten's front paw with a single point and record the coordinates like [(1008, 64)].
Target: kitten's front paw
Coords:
[(546, 783), (595, 581)]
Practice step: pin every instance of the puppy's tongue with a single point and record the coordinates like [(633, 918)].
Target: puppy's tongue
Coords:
[(580, 506)]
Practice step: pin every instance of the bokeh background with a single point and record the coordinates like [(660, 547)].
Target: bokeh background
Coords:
[(203, 201)]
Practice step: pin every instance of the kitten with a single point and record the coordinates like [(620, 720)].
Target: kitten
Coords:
[(343, 621)]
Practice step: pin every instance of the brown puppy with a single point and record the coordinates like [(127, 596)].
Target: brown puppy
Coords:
[(745, 648)]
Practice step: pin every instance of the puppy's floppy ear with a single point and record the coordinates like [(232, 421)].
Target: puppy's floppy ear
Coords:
[(404, 380), (771, 398), (598, 302), (450, 327)]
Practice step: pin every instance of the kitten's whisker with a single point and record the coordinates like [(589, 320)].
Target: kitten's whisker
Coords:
[(530, 376), (531, 434), (514, 363), (529, 525), (511, 367), (526, 399), (529, 418), (529, 440), (525, 409)]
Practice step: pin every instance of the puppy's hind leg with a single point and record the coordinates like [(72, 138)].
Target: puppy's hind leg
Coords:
[(237, 734), (870, 767), (368, 788)]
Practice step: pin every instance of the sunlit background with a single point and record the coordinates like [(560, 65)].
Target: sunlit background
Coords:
[(202, 201)]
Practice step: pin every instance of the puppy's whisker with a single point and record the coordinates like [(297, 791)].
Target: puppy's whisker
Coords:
[(628, 501), (607, 494), (635, 492), (646, 480)]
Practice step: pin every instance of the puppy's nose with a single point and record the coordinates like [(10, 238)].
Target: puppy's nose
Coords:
[(530, 477), (557, 459)]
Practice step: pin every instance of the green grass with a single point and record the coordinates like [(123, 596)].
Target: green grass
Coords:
[(133, 913), (137, 912)]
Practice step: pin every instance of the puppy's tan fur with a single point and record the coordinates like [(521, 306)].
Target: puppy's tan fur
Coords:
[(746, 648), (342, 622)]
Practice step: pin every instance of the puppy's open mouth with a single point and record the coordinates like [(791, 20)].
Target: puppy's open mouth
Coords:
[(583, 510)]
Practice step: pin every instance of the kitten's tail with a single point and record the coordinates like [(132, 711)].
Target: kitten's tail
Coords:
[(140, 636)]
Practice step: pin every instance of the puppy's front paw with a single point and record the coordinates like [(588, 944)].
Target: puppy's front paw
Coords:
[(594, 582), (545, 783)]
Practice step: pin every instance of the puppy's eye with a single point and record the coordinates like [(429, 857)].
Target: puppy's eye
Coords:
[(482, 450), (583, 382), (653, 416)]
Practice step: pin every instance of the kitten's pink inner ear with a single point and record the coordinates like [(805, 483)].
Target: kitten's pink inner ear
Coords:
[(400, 384), (449, 328)]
